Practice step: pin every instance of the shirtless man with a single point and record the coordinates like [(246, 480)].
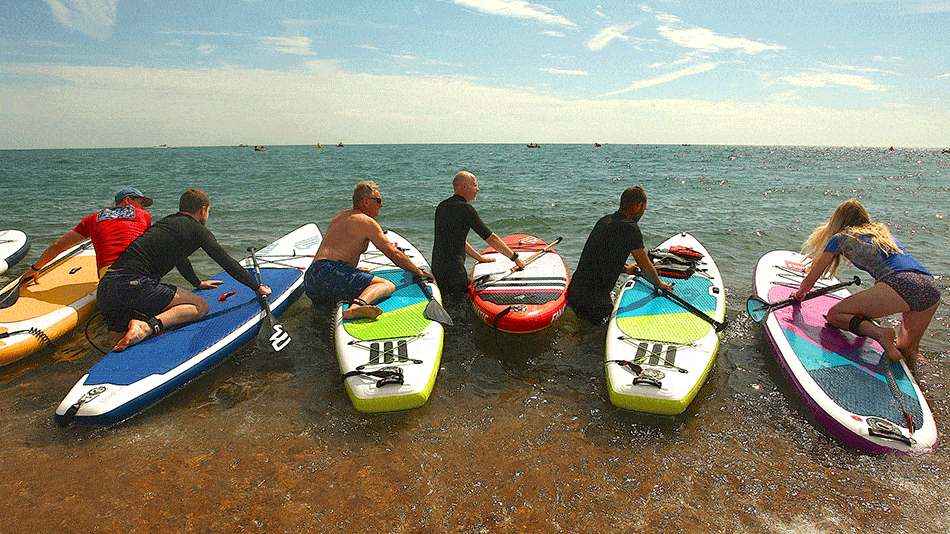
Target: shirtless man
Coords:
[(333, 276)]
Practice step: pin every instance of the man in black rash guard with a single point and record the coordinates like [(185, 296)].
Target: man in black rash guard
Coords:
[(135, 304), (605, 254), (454, 217)]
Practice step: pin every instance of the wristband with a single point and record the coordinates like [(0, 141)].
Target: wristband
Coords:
[(514, 256), (33, 266)]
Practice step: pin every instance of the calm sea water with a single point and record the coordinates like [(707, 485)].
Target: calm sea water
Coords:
[(519, 435)]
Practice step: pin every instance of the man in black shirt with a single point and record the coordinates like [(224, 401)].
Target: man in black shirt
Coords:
[(604, 257), (454, 217), (135, 304)]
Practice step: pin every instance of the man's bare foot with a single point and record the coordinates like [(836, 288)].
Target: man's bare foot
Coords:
[(893, 353), (362, 312), (138, 332)]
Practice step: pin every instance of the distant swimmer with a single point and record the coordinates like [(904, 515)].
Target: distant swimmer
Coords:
[(902, 285)]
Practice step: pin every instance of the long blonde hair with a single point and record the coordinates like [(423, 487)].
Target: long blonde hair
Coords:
[(852, 218)]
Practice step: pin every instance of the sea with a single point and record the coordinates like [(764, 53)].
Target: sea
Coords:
[(519, 434)]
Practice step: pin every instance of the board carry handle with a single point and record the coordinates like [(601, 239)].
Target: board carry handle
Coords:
[(686, 304), (271, 337), (484, 280), (13, 294), (759, 308)]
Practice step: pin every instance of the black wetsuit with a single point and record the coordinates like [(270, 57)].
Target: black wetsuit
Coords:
[(133, 281), (602, 260), (454, 217)]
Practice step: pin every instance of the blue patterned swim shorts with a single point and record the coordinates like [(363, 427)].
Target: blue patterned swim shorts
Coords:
[(329, 282)]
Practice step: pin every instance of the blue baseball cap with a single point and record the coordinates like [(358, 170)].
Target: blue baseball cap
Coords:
[(134, 193)]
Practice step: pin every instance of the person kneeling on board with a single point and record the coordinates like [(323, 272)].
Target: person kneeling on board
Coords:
[(902, 285), (135, 304), (111, 230), (604, 257), (454, 217), (333, 276)]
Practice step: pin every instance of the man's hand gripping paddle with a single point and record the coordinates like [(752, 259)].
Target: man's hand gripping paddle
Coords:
[(487, 279), (758, 308), (271, 337)]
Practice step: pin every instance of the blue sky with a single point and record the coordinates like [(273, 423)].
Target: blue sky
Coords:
[(111, 73)]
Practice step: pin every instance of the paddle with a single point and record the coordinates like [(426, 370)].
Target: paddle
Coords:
[(13, 294), (686, 304), (434, 311), (271, 337), (759, 313), (484, 280)]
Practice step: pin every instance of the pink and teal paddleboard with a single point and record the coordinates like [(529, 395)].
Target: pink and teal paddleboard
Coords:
[(841, 378)]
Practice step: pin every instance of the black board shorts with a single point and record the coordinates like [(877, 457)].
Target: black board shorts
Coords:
[(122, 297)]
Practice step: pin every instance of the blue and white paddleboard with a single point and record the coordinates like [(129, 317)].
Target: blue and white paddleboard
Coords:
[(124, 383), (859, 397), (14, 245)]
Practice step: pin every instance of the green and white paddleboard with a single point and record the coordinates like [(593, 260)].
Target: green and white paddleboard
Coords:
[(390, 363), (659, 353)]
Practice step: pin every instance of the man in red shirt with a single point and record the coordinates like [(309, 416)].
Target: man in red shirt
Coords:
[(111, 231)]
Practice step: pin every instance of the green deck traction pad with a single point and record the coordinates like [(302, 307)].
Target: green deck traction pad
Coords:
[(644, 315), (403, 312)]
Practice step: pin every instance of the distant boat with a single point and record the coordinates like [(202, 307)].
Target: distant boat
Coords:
[(260, 149), (163, 145), (243, 145), (596, 144), (946, 151), (340, 144), (534, 145), (319, 145), (889, 149)]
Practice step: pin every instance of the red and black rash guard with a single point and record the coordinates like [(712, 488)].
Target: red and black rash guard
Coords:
[(168, 243)]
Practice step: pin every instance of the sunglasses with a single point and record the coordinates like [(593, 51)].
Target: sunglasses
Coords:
[(378, 200)]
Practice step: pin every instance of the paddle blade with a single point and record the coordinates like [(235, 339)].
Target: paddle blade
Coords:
[(271, 337), (758, 309), (10, 297), (435, 312)]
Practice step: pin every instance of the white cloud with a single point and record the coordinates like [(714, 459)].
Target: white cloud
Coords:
[(676, 31), (288, 45), (863, 69), (605, 36), (517, 9), (689, 71), (834, 79), (207, 49), (552, 33), (114, 106), (568, 72), (94, 18)]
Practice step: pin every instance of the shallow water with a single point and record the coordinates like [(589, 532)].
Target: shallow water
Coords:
[(519, 435)]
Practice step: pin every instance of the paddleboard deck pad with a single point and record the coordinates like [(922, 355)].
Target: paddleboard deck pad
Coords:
[(659, 353), (390, 363), (841, 378), (520, 302), (63, 297), (124, 383), (14, 245)]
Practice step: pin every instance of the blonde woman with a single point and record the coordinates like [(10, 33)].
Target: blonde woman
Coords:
[(902, 285)]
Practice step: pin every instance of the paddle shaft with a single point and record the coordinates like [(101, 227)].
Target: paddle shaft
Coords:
[(13, 294), (271, 337), (686, 304), (770, 307), (531, 258)]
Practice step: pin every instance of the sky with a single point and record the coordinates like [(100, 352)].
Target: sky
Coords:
[(128, 73)]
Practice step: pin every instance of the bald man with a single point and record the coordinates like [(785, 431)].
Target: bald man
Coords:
[(454, 217)]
